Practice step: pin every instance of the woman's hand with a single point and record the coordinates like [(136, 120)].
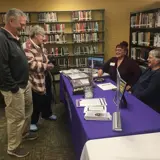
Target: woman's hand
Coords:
[(50, 66), (128, 87), (100, 72)]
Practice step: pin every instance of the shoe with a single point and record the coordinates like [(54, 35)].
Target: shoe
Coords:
[(33, 128), (18, 152), (30, 136), (53, 117)]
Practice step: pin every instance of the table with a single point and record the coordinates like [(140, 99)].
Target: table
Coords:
[(135, 147), (138, 118)]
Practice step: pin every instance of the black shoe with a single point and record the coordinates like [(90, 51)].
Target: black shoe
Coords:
[(18, 152)]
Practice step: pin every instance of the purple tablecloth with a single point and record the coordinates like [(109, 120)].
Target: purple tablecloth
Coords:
[(138, 118)]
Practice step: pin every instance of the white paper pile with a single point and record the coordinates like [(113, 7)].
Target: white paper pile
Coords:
[(91, 102), (69, 71), (100, 116), (106, 86), (78, 76)]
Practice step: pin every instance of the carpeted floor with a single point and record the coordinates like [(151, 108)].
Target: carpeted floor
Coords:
[(54, 142)]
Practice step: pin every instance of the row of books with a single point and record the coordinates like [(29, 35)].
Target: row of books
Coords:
[(52, 28), (78, 50), (85, 37), (90, 49), (26, 31), (85, 27), (80, 62), (81, 15), (140, 54), (59, 51), (74, 62), (49, 28), (146, 20), (56, 38), (146, 39), (47, 17)]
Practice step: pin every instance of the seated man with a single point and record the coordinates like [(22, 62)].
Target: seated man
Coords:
[(147, 88)]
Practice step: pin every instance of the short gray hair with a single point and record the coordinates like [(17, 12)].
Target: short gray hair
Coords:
[(155, 53), (36, 30), (15, 13)]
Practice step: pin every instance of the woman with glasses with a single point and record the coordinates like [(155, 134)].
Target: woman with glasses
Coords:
[(39, 76)]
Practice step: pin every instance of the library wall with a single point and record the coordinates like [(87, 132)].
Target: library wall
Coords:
[(116, 18)]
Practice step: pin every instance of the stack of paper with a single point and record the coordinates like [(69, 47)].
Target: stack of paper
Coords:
[(70, 71), (105, 116), (78, 76), (95, 108), (76, 83), (91, 102), (107, 86)]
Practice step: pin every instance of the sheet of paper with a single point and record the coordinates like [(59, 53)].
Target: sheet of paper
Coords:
[(106, 86), (84, 81), (78, 76), (92, 102)]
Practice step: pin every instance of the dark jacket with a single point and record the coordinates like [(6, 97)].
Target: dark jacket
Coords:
[(14, 71), (128, 69), (147, 89)]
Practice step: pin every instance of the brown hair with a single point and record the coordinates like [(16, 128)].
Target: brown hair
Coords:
[(120, 46), (123, 45)]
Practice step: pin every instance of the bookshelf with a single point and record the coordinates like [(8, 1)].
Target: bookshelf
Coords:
[(71, 36), (144, 34)]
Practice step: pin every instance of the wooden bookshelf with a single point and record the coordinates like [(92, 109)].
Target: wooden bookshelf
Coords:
[(144, 34), (71, 36)]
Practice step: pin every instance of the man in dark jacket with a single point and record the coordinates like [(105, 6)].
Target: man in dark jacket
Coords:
[(14, 84)]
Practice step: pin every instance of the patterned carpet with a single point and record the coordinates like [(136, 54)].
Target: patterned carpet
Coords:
[(54, 142)]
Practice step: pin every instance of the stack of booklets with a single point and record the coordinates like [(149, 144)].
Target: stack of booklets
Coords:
[(78, 76), (107, 86), (69, 71), (76, 83), (98, 116), (94, 109)]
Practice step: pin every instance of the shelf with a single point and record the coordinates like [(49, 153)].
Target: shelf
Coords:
[(60, 22), (54, 43), (145, 29), (68, 33), (100, 41), (62, 11), (141, 62), (145, 11), (139, 46), (81, 55), (74, 22)]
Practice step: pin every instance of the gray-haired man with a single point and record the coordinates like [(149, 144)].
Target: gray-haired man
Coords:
[(14, 84)]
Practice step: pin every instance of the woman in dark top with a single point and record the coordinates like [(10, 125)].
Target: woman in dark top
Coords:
[(128, 69), (147, 88)]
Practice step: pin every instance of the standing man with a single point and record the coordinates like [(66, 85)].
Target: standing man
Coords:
[(14, 86)]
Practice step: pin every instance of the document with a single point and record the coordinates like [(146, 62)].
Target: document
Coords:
[(78, 76), (100, 116), (91, 102), (106, 86)]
